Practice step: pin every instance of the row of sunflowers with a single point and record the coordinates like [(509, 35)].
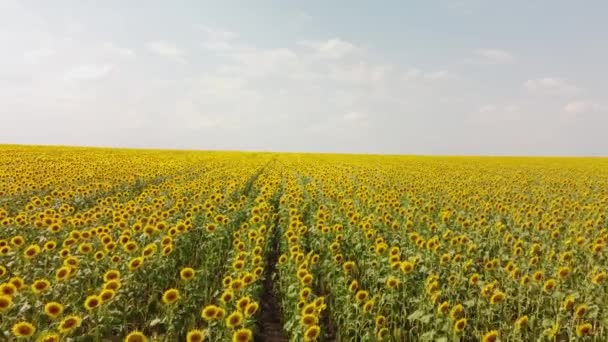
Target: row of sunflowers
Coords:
[(134, 245)]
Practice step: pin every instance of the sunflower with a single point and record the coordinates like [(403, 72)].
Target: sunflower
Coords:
[(111, 275), (251, 309), (309, 309), (354, 286), (8, 289), (490, 336), (242, 335), (187, 273), (136, 336), (457, 312), (368, 306), (407, 267), (17, 282), (584, 329), (135, 263), (308, 320), (31, 251), (40, 285), (5, 302), (312, 333), (348, 266), (171, 296), (392, 282), (92, 302), (236, 284), (580, 311), (521, 322), (361, 296), (112, 285), (305, 292), (53, 309), (563, 272), (23, 329), (107, 295), (460, 325), (568, 303), (382, 334), (498, 297), (235, 319), (242, 303), (549, 285), (599, 278), (210, 312), (49, 337), (195, 336), (444, 308)]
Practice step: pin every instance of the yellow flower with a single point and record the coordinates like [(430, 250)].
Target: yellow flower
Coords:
[(457, 312), (69, 323), (361, 296), (308, 320), (136, 263), (460, 325), (187, 273), (580, 311), (312, 333), (195, 336), (490, 336), (498, 297), (392, 282), (107, 295), (251, 308), (521, 322), (23, 329), (53, 309), (380, 321), (136, 336), (92, 302), (382, 334), (443, 308), (584, 329), (31, 251), (242, 335), (111, 275), (235, 319), (549, 285), (5, 302), (49, 337), (210, 312), (8, 289), (171, 296), (40, 285)]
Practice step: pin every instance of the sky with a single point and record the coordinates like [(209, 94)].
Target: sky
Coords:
[(457, 77)]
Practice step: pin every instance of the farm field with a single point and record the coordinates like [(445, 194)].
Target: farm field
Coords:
[(147, 245)]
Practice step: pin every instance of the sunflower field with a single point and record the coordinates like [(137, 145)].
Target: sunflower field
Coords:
[(150, 245)]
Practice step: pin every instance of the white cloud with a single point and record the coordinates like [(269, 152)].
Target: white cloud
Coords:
[(493, 113), (579, 107), (121, 51), (354, 116), (436, 75), (335, 48), (495, 56), (166, 49), (38, 55), (217, 39), (87, 72), (550, 85)]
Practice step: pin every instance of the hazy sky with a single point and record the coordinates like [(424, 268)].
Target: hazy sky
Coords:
[(414, 77)]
